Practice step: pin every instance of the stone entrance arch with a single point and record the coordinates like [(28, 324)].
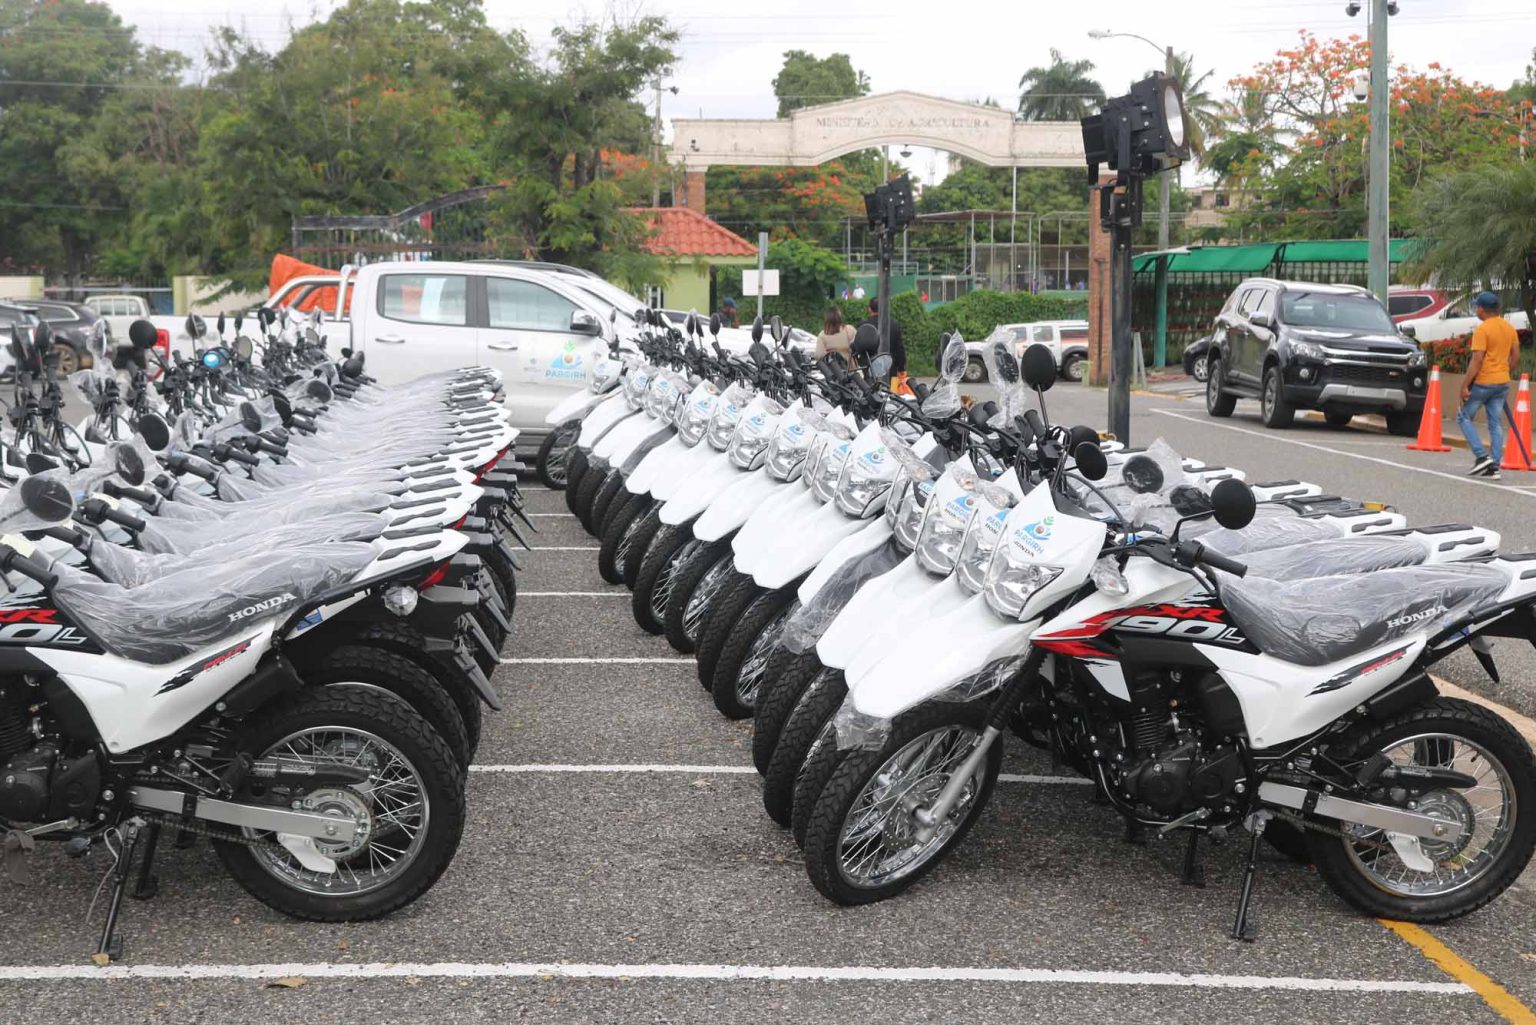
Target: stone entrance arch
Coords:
[(814, 135)]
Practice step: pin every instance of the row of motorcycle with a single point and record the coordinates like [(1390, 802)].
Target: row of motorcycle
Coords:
[(891, 586), (253, 598)]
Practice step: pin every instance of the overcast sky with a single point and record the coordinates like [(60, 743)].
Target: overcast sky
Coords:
[(967, 52)]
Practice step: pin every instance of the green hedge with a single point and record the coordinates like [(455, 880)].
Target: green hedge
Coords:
[(974, 314)]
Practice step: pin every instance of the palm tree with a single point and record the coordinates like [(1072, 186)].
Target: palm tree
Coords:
[(1477, 228), (1061, 92)]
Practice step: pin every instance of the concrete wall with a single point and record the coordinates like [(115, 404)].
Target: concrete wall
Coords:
[(191, 295), (21, 288)]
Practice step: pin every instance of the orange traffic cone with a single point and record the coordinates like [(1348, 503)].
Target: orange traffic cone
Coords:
[(1517, 450), (1429, 424)]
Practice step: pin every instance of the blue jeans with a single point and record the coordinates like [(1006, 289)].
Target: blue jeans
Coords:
[(1490, 397)]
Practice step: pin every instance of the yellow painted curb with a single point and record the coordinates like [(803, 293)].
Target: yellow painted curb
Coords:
[(1524, 725)]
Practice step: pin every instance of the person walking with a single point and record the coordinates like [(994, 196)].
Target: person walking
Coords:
[(728, 312), (1495, 351), (836, 337)]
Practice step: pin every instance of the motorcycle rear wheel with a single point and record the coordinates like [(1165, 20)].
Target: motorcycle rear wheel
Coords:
[(1469, 872), (415, 798), (365, 666)]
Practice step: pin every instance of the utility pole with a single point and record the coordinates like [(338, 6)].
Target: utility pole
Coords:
[(1377, 211), (656, 150), (1165, 192)]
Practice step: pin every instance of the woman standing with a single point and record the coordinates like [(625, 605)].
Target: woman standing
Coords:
[(835, 337)]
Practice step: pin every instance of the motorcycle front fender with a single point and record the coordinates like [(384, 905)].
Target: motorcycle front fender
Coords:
[(922, 601), (933, 659), (794, 550), (773, 514), (868, 611), (732, 506), (695, 496), (573, 407), (603, 417), (618, 443), (655, 464), (877, 533), (691, 461)]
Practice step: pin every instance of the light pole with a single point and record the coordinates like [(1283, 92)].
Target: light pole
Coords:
[(1164, 201), (656, 146), (1378, 174)]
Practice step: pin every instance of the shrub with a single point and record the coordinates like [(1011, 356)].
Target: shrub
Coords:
[(1451, 355)]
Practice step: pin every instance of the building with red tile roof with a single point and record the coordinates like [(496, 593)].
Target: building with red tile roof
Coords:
[(692, 246)]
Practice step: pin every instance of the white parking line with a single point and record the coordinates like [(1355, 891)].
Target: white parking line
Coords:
[(566, 548), (596, 661), (725, 770), (1275, 436), (713, 973), (616, 593), (549, 514)]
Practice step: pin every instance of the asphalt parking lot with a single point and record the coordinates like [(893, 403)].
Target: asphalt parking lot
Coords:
[(617, 867)]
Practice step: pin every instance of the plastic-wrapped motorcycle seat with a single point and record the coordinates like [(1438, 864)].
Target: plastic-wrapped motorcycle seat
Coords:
[(1271, 529), (132, 568), (1336, 557), (179, 613), (1316, 621)]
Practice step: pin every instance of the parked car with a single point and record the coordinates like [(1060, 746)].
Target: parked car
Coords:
[(1457, 320), (119, 312), (1295, 345), (72, 325), (1067, 340), (12, 314), (1195, 363), (1406, 302)]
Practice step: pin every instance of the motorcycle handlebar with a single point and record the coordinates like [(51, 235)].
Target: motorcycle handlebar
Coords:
[(1192, 552), (27, 567)]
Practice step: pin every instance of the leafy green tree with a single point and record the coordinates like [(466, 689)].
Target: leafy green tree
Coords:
[(1060, 91), (1478, 229), (806, 80)]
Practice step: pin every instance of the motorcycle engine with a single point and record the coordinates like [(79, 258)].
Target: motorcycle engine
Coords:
[(38, 785), (1181, 777)]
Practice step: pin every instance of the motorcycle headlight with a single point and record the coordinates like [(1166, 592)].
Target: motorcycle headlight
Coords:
[(753, 435), (864, 480), (1307, 350), (722, 425), (604, 371), (635, 386), (660, 396), (981, 537), (910, 507), (828, 469), (1010, 583), (693, 413), (944, 526), (787, 450)]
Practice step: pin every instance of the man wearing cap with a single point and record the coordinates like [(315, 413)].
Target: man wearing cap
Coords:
[(728, 312), (1495, 350)]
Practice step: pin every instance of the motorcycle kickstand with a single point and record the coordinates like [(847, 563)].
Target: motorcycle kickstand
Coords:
[(1243, 928), (148, 884), (1194, 870), (111, 945)]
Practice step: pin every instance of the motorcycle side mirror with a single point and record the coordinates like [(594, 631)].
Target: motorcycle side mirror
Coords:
[(142, 334), (195, 327), (1233, 503), (776, 329), (758, 352), (250, 417), (283, 406), (99, 339), (1090, 460), (266, 316), (128, 464), (39, 463), (642, 316), (353, 367), (691, 323), (952, 362), (152, 427), (220, 323), (244, 348), (318, 390), (1007, 364), (1142, 475), (1038, 367), (880, 366), (714, 324), (47, 498), (757, 328), (239, 319), (43, 336)]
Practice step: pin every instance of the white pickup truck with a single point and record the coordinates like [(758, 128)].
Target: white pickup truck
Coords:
[(534, 322), (120, 311), (1067, 340)]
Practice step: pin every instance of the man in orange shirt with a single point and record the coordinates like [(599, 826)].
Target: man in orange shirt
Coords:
[(1495, 350)]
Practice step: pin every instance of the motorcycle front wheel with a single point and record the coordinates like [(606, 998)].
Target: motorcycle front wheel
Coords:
[(1497, 816), (862, 842), (411, 808), (550, 464)]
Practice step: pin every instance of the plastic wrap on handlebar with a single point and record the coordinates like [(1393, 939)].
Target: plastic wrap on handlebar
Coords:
[(181, 463), (29, 568), (263, 445), (124, 519), (228, 452)]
